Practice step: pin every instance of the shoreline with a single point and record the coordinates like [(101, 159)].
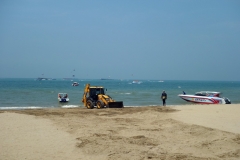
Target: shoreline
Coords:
[(179, 132), (66, 106)]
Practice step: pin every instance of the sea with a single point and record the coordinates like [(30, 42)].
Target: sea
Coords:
[(30, 93)]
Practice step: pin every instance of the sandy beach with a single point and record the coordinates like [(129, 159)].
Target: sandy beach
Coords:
[(192, 132)]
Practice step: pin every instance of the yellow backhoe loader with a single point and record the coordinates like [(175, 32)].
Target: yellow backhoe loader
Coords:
[(95, 96)]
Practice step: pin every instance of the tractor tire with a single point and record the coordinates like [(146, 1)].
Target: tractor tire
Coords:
[(100, 104), (90, 104)]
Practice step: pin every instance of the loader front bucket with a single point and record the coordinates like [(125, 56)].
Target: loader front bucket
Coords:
[(118, 104)]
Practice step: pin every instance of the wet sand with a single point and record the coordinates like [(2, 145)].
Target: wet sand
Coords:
[(195, 132)]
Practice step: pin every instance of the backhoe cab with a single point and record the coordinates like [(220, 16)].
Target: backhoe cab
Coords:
[(95, 96)]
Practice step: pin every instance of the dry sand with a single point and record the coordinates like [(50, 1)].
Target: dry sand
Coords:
[(198, 132)]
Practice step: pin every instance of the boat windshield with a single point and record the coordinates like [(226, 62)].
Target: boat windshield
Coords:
[(208, 94), (62, 95)]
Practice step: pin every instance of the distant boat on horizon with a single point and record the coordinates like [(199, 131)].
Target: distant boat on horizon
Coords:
[(69, 79), (106, 79)]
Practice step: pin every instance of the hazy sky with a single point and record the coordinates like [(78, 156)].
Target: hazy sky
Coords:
[(120, 39)]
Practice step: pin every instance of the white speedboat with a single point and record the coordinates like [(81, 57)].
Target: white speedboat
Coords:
[(63, 97), (205, 97), (75, 84)]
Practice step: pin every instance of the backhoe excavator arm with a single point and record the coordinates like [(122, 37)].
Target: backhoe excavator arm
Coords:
[(86, 91)]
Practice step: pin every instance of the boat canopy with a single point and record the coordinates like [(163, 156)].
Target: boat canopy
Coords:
[(208, 93), (62, 95)]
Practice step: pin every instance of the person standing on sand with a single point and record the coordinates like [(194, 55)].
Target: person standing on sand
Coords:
[(164, 97)]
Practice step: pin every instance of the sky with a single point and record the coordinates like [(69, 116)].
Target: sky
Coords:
[(120, 39)]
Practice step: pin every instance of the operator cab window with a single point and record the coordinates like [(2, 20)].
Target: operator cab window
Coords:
[(99, 91)]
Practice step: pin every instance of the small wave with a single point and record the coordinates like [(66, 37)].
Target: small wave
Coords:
[(141, 106), (17, 108), (69, 106), (134, 106), (125, 93)]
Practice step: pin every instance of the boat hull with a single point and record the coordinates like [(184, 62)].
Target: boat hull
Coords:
[(202, 99), (63, 99)]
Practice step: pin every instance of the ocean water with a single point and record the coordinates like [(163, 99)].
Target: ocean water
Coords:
[(32, 93)]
